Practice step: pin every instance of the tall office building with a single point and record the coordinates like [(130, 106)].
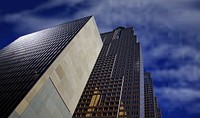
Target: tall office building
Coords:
[(70, 70), (148, 96), (158, 113), (116, 85), (43, 74), (151, 106)]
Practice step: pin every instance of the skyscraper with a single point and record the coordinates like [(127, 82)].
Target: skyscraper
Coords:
[(158, 113), (151, 106), (70, 70), (149, 96), (44, 73), (116, 85)]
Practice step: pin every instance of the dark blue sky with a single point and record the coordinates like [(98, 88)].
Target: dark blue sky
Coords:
[(169, 32)]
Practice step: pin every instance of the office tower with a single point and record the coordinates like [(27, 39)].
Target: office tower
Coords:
[(148, 96), (151, 106), (158, 113), (71, 71), (43, 74), (115, 88)]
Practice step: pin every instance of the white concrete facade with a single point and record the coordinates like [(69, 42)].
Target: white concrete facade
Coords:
[(66, 76)]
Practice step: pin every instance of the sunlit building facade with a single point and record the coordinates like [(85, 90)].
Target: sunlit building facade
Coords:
[(43, 74), (115, 88), (72, 71)]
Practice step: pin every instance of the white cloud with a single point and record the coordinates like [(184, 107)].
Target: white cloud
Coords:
[(27, 20), (173, 98), (175, 51), (32, 23), (181, 64), (55, 3), (170, 15), (177, 95), (194, 109), (186, 73), (111, 12)]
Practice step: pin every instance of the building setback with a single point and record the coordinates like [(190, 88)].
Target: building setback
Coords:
[(116, 85), (43, 74), (151, 106), (71, 71)]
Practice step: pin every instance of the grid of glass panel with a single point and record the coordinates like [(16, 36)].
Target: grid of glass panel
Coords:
[(26, 59), (149, 96), (113, 89)]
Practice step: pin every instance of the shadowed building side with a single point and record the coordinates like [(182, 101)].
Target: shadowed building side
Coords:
[(66, 71), (115, 87), (158, 113), (151, 106), (149, 96)]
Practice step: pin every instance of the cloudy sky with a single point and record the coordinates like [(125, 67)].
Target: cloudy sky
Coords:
[(169, 32)]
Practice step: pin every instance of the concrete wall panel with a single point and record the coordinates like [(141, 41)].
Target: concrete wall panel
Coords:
[(69, 74)]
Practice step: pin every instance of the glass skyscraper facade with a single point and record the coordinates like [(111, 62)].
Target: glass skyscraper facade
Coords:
[(71, 70), (43, 74), (116, 85)]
